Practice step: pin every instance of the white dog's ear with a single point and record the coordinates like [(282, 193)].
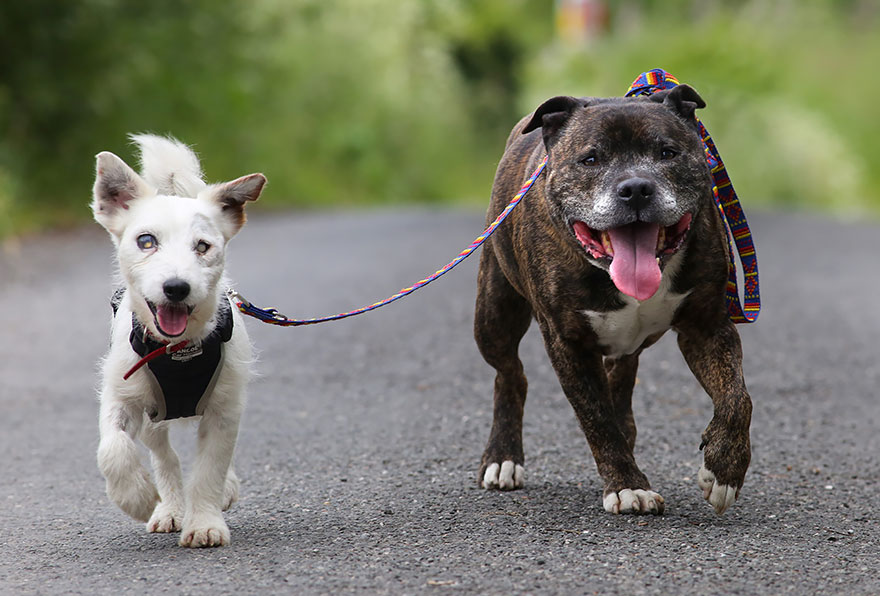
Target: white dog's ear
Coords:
[(116, 185), (232, 196)]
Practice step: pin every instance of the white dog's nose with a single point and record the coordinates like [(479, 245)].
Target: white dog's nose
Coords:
[(176, 289)]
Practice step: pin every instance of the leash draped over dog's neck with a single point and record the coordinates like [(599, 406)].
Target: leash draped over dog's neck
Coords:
[(732, 215), (735, 226)]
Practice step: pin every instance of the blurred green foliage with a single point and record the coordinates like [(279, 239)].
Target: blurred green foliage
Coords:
[(789, 89), (344, 102)]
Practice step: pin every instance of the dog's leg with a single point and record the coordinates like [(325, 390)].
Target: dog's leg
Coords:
[(203, 523), (585, 383), (230, 490), (715, 358), (128, 483), (166, 467), (501, 319), (621, 380)]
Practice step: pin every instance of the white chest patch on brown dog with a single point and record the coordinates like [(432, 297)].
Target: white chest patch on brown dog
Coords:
[(624, 330)]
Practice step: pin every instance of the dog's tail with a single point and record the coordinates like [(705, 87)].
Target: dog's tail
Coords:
[(169, 166)]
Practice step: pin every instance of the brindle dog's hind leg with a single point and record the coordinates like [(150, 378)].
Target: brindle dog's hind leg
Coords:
[(501, 319)]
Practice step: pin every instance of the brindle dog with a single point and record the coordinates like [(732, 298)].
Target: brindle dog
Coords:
[(617, 242)]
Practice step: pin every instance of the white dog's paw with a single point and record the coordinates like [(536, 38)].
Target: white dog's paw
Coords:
[(165, 518), (637, 501), (205, 530), (136, 495), (720, 496), (507, 476), (230, 489)]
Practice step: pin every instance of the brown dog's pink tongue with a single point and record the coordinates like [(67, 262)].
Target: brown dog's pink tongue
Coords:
[(172, 319), (634, 269)]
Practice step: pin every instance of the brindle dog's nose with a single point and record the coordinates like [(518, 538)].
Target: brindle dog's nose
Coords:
[(176, 289), (636, 192)]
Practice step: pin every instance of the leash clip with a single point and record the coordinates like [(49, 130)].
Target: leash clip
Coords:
[(244, 305), (273, 312), (237, 298)]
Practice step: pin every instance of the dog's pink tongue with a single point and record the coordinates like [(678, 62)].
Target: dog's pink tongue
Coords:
[(172, 319), (634, 269)]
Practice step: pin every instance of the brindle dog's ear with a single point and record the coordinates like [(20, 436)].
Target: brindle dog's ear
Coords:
[(681, 99), (552, 115)]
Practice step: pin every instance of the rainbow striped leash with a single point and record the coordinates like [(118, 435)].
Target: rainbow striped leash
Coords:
[(725, 198), (732, 214), (273, 317)]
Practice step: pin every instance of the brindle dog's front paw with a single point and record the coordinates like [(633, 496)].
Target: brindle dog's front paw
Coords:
[(506, 476), (638, 501), (726, 458), (720, 496)]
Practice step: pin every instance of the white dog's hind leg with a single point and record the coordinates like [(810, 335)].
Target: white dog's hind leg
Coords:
[(203, 523), (168, 514), (128, 483)]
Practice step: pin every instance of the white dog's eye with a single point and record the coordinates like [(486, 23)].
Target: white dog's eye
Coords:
[(202, 247), (147, 242)]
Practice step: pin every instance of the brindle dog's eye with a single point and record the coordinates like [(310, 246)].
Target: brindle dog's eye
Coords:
[(589, 160), (668, 153), (202, 247), (147, 242)]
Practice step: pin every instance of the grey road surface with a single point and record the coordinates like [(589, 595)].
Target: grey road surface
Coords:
[(361, 440)]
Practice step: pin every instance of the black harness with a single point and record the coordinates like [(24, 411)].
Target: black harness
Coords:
[(182, 381)]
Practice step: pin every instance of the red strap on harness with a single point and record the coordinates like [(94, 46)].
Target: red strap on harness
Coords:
[(168, 349)]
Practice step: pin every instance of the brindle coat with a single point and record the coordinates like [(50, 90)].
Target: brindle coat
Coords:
[(534, 267)]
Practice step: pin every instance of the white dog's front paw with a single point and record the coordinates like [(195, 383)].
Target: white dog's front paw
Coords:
[(507, 476), (634, 501), (720, 496), (205, 530), (135, 495), (165, 518)]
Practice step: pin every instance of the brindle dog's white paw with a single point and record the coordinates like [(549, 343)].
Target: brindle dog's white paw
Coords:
[(720, 496), (636, 501), (166, 518), (507, 476), (207, 530)]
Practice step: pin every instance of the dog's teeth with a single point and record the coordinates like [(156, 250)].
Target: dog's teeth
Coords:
[(661, 239), (606, 243)]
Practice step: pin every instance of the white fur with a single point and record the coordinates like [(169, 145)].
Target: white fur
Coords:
[(129, 205), (507, 476), (623, 331), (608, 203), (720, 496), (633, 501)]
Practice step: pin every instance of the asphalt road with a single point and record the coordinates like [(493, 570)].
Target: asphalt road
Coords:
[(362, 438)]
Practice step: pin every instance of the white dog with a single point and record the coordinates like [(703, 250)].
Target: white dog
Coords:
[(171, 230)]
